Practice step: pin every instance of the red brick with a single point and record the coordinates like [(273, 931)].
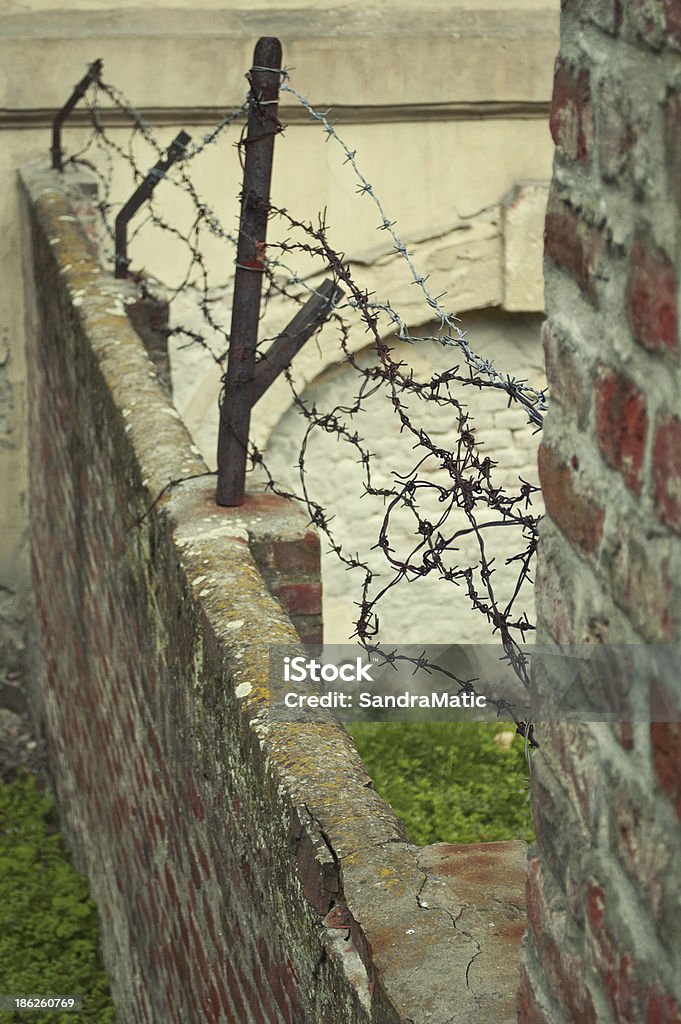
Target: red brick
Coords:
[(616, 969), (139, 770), (621, 425), (208, 921), (672, 11), (620, 983), (538, 917), (666, 471), (566, 379), (205, 862), (210, 1005), (665, 738), (576, 769), (595, 905), (298, 556), (234, 990), (624, 734), (198, 951), (257, 996), (154, 744), (223, 993), (300, 598), (571, 120), (195, 800), (639, 851), (661, 1008), (616, 15), (312, 639), (574, 245), (658, 21), (170, 883), (160, 823), (284, 985), (263, 989), (575, 514), (641, 582), (184, 971), (529, 1011), (194, 869), (652, 296), (565, 974)]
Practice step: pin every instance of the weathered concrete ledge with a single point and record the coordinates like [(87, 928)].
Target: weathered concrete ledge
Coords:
[(244, 869), (353, 54)]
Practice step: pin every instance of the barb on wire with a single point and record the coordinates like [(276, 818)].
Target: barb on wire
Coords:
[(236, 401), (91, 75), (143, 192), (446, 488), (533, 400)]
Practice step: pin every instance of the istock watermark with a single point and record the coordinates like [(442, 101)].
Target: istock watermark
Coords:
[(587, 683), (348, 683), (300, 669)]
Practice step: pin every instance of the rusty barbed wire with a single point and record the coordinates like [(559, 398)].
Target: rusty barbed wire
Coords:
[(470, 504)]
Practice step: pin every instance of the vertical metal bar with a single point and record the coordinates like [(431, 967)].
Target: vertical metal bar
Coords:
[(235, 407)]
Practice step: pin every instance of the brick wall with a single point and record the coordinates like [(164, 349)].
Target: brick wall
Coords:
[(244, 869), (603, 893)]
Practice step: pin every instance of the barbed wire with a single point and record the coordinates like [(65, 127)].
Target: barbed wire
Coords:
[(470, 503), (534, 400)]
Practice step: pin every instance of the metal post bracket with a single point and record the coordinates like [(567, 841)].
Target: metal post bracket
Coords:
[(176, 150), (285, 347)]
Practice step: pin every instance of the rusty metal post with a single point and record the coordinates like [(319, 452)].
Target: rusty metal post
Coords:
[(284, 348), (92, 74), (235, 406), (143, 192)]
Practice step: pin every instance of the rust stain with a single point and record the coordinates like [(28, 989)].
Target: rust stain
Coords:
[(338, 917), (510, 932)]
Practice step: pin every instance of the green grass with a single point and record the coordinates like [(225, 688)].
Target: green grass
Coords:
[(49, 930), (449, 782)]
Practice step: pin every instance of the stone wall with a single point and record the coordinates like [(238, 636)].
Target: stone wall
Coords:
[(244, 869), (604, 887)]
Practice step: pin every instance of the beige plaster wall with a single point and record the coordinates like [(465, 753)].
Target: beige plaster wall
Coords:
[(429, 94), (427, 610), (351, 6)]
